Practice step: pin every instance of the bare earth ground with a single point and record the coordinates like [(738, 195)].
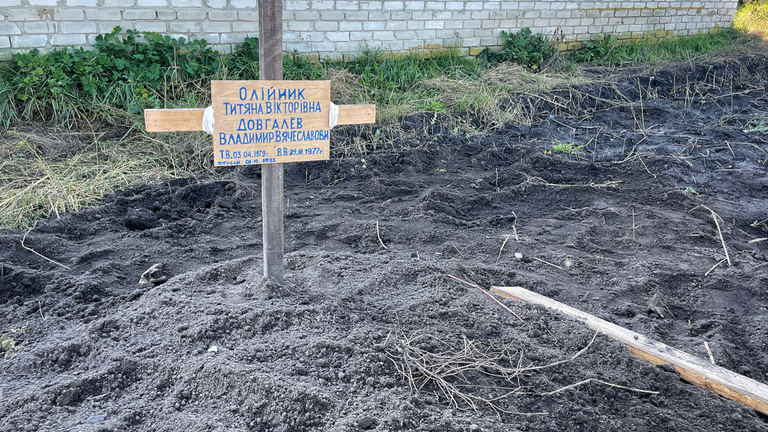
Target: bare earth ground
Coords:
[(604, 230)]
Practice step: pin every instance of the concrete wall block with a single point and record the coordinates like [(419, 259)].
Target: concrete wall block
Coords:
[(186, 3), (68, 39), (406, 35), (360, 36), (434, 25), (42, 3), (193, 15), (139, 14), (185, 27), (370, 5), (374, 25), (22, 15), (108, 26), (166, 15), (233, 38), (310, 15), (5, 42), (378, 16), (348, 46), (42, 27), (10, 3), (331, 15), (120, 3), (216, 27), (475, 6), (442, 15), (326, 26), (149, 3), (434, 5), (311, 36), (103, 15), (151, 26), (454, 24), (454, 6), (415, 5), (296, 5), (422, 16), (300, 26), (400, 16), (215, 4), (397, 25), (219, 15), (78, 27), (383, 35), (322, 5), (415, 25), (425, 34), (338, 36), (350, 26), (248, 16), (243, 4), (347, 5), (356, 16), (8, 29), (323, 46), (35, 41)]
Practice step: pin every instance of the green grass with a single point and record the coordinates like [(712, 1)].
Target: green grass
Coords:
[(611, 51), (752, 18)]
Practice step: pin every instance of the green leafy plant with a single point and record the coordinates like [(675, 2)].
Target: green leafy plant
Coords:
[(594, 50), (760, 127), (522, 47), (691, 190), (569, 148)]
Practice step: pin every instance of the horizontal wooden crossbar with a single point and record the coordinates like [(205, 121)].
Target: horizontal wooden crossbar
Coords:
[(191, 119), (698, 371)]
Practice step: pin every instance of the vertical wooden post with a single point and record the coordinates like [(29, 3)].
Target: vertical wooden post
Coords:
[(271, 68)]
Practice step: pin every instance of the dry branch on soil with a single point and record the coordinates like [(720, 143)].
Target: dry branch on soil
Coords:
[(459, 368)]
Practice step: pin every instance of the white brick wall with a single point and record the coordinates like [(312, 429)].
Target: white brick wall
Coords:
[(331, 28)]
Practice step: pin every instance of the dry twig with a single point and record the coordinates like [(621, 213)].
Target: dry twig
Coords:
[(489, 295), (40, 255), (379, 235)]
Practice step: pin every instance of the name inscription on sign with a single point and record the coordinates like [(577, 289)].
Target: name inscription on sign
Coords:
[(258, 122)]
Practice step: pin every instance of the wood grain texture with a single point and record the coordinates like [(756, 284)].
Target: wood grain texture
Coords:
[(191, 119), (356, 114), (174, 120), (271, 69), (696, 370)]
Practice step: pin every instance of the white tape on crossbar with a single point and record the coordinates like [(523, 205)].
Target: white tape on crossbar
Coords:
[(333, 115), (208, 120), (333, 118)]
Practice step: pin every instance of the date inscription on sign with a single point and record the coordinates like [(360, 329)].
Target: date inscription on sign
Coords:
[(257, 122)]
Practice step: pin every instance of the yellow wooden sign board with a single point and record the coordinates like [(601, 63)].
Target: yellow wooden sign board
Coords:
[(257, 122)]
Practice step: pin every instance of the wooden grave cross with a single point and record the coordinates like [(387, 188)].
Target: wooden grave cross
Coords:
[(269, 123), (266, 122)]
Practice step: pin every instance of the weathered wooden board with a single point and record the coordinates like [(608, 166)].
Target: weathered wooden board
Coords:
[(270, 121), (191, 119), (696, 370)]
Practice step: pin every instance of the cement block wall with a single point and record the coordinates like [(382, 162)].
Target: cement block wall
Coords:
[(331, 28)]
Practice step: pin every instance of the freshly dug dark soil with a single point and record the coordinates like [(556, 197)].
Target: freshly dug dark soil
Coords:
[(369, 247)]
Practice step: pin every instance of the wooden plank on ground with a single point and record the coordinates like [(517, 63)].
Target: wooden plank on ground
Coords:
[(191, 119), (696, 370)]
